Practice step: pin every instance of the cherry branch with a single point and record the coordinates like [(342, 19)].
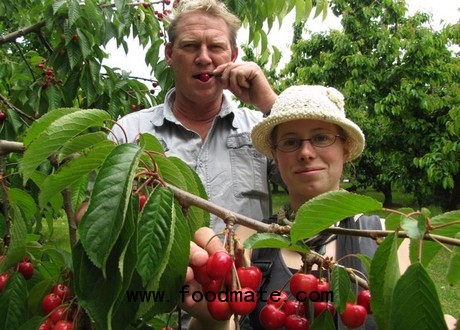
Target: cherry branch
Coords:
[(10, 37), (187, 199), (12, 106)]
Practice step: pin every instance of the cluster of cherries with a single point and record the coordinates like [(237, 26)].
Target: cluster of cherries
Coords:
[(25, 267), (216, 277), (290, 313), (61, 314), (48, 76)]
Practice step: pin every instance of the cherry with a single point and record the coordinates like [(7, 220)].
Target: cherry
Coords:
[(133, 107), (204, 77), (62, 291), (354, 315), (320, 306), (277, 298), (46, 325), (219, 264), (61, 313), (155, 84), (75, 37), (243, 301), (301, 285), (294, 307), (296, 322), (50, 302), (364, 299), (2, 117), (142, 200), (323, 285), (26, 268), (201, 274), (63, 325), (212, 285), (40, 65), (250, 277), (219, 310), (3, 279), (271, 317)]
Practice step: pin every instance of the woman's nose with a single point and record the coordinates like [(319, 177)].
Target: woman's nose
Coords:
[(306, 150)]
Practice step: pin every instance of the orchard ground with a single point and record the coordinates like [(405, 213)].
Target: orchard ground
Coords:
[(449, 296)]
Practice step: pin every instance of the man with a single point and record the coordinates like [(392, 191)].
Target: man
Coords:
[(197, 122)]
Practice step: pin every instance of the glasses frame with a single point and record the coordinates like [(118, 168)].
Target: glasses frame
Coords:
[(335, 136)]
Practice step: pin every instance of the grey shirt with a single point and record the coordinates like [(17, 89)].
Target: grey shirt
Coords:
[(233, 173)]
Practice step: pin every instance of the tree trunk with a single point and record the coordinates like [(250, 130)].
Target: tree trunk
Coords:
[(385, 188), (454, 202)]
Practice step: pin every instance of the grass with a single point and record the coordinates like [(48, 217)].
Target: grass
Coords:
[(449, 296)]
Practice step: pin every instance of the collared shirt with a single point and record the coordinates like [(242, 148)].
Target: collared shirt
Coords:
[(233, 173)]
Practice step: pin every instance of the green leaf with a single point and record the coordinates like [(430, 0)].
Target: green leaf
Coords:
[(324, 321), (156, 231), (321, 212), (57, 134), (340, 282), (173, 275), (270, 240), (383, 277), (17, 247), (453, 272), (418, 305), (73, 170), (23, 201), (102, 222), (151, 143), (13, 302), (41, 124), (365, 260), (393, 220), (196, 217), (80, 143)]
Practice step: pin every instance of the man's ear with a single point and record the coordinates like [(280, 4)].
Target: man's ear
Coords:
[(168, 53), (234, 54)]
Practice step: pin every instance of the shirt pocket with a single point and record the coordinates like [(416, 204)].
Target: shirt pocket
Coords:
[(248, 166)]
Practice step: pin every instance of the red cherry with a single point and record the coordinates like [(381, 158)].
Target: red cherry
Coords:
[(219, 310), (294, 307), (353, 316), (364, 299), (3, 279), (204, 77), (155, 84), (62, 291), (271, 317), (296, 322), (75, 37), (2, 117), (250, 277), (201, 274), (46, 325), (142, 200), (212, 285), (243, 301), (26, 268), (277, 298), (50, 302), (40, 65), (320, 306), (219, 264), (301, 285), (63, 325), (133, 107), (61, 313)]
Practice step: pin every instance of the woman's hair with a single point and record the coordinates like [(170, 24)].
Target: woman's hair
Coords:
[(212, 7)]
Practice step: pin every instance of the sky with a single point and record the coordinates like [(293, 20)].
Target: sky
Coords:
[(443, 11)]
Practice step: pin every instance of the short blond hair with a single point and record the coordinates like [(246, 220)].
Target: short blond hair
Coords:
[(213, 7)]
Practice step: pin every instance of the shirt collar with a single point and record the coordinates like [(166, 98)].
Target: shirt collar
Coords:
[(226, 109)]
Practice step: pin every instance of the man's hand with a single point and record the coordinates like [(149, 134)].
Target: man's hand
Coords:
[(248, 83)]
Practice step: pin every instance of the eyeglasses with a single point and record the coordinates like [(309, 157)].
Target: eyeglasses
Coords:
[(322, 140)]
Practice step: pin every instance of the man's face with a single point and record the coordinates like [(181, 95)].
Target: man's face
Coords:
[(201, 45)]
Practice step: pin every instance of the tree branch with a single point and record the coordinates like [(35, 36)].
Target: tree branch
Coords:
[(21, 32)]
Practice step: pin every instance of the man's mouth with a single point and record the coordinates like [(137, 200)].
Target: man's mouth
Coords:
[(204, 77)]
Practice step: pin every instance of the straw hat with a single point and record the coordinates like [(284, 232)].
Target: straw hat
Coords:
[(308, 102)]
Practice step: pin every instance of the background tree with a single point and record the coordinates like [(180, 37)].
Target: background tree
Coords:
[(401, 80)]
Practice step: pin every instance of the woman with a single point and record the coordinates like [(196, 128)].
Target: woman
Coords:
[(309, 137)]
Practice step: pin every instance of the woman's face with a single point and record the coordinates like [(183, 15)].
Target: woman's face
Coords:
[(309, 170)]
